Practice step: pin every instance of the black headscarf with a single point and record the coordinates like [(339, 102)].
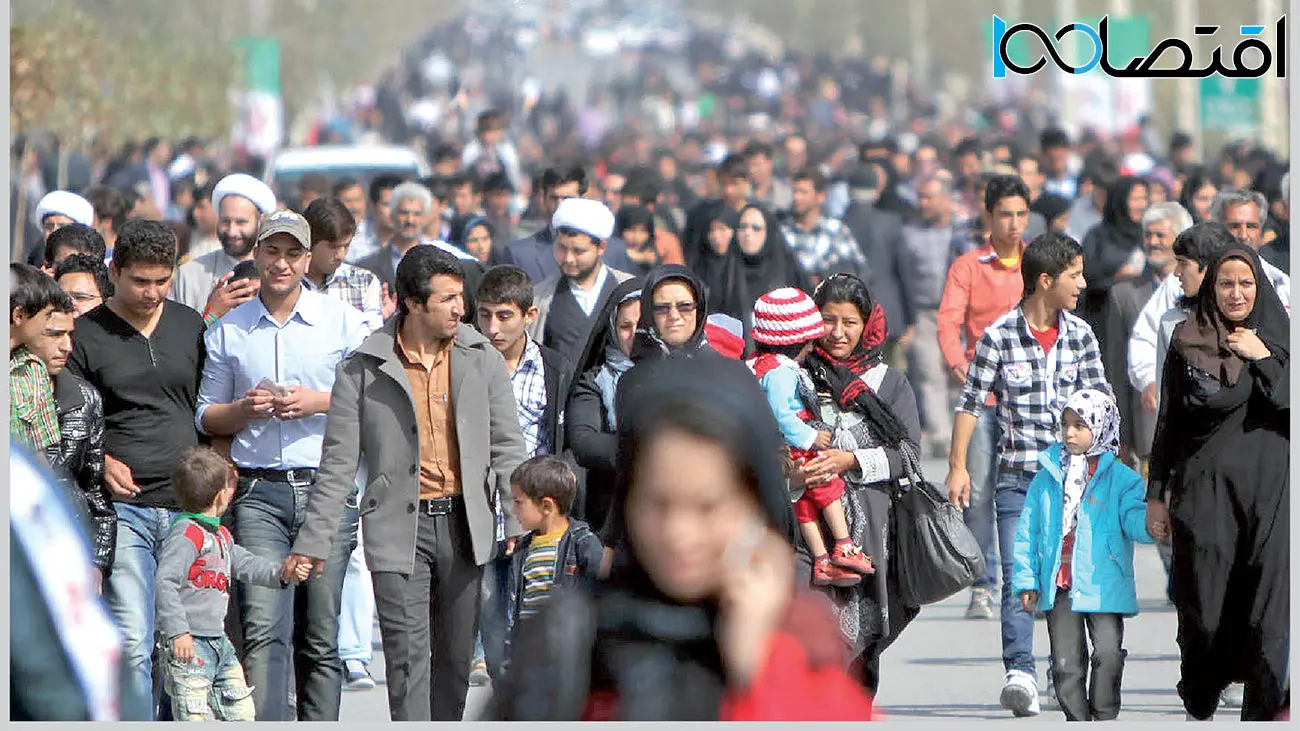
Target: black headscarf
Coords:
[(1125, 232), (1202, 338), (1050, 205), (602, 326), (629, 216), (461, 227), (648, 345), (735, 280)]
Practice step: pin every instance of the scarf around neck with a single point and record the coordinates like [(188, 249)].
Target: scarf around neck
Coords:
[(1098, 411)]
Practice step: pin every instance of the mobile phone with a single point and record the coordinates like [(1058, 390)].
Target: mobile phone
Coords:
[(244, 270), (267, 384)]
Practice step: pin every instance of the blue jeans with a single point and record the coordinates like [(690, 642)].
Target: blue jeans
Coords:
[(1017, 624), (982, 464), (494, 613), (212, 685), (129, 588), (298, 624)]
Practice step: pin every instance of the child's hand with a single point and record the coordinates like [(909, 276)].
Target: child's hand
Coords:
[(183, 648), (823, 440), (1029, 600)]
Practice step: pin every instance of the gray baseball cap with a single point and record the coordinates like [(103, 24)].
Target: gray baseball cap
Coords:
[(286, 222)]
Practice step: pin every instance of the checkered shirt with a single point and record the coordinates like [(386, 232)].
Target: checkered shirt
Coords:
[(357, 287), (827, 249), (33, 419), (529, 383), (1031, 386)]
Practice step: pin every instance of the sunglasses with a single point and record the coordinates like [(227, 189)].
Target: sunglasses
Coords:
[(683, 308)]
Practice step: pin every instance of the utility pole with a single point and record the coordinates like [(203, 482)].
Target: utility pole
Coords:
[(1189, 113), (1067, 12), (1272, 105)]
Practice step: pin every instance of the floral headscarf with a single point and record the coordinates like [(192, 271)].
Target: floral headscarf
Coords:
[(1098, 411)]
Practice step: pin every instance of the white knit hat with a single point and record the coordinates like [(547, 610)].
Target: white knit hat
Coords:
[(786, 316)]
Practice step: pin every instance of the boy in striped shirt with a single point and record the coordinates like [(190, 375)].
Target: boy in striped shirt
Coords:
[(558, 551)]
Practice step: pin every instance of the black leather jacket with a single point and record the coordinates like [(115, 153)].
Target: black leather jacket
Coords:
[(78, 460)]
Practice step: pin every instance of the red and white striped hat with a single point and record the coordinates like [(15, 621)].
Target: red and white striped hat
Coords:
[(786, 316)]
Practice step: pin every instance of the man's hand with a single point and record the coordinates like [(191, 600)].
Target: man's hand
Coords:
[(958, 484), (226, 296), (1149, 399), (297, 565), (1029, 600), (511, 543), (257, 403), (905, 339), (99, 581), (119, 478), (297, 402), (387, 302), (183, 648)]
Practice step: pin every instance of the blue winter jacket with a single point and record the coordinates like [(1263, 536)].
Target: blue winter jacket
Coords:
[(1112, 515)]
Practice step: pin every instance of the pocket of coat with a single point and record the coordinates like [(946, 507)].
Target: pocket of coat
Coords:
[(1116, 549), (376, 490)]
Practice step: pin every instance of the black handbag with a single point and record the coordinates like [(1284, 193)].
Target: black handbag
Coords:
[(934, 555)]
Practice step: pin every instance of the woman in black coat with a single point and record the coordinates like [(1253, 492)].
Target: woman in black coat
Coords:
[(1112, 250), (1220, 488), (590, 420)]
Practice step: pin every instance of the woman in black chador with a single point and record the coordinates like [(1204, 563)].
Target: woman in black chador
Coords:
[(1219, 488)]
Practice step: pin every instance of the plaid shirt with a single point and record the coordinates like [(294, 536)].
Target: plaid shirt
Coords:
[(827, 249), (33, 418), (529, 383), (1031, 386), (357, 287)]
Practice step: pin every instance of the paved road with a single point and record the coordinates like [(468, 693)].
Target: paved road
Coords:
[(949, 668)]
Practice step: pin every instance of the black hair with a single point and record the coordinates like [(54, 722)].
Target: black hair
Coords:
[(845, 288), (1050, 253), (32, 290), (343, 184), (439, 186), (446, 151), (151, 243), (546, 476), (381, 183), (86, 264), (111, 204), (329, 220), (506, 285), (1005, 186), (204, 192), (1204, 242), (813, 176), (80, 238), (1101, 173), (420, 265), (732, 167), (200, 475), (968, 146), (1053, 137), (462, 179), (552, 178), (759, 148), (490, 120)]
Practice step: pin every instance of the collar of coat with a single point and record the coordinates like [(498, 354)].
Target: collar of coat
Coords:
[(380, 343), (1051, 458)]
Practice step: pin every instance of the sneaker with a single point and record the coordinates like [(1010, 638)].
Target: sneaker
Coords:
[(1020, 694), (982, 605), (356, 676), (852, 558), (826, 573), (1232, 696), (478, 677)]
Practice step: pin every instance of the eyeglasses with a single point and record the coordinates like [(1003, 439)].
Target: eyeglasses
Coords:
[(683, 308)]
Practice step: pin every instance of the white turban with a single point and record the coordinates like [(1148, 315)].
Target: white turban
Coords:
[(68, 204), (244, 186), (583, 214)]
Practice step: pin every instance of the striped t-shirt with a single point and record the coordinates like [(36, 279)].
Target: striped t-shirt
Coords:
[(539, 571)]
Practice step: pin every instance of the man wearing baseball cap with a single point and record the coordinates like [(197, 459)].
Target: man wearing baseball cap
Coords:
[(203, 283), (266, 385), (567, 301)]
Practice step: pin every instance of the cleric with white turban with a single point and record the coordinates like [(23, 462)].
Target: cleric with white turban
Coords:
[(241, 202), (59, 208)]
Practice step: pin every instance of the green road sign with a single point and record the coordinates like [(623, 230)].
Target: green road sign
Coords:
[(1230, 105)]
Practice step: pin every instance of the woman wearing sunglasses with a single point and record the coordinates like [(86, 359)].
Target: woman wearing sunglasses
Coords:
[(672, 314)]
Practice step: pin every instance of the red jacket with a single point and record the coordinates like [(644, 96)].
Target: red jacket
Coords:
[(802, 680)]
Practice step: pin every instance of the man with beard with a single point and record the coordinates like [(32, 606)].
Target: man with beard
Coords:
[(567, 301), (204, 283)]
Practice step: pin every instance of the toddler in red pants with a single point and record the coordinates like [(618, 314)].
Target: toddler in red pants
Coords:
[(786, 326)]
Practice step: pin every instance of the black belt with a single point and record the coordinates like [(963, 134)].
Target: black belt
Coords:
[(300, 476), (439, 505)]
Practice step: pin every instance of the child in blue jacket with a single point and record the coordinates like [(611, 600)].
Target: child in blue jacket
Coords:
[(1074, 554)]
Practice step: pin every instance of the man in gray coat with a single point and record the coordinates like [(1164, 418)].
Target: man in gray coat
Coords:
[(427, 404)]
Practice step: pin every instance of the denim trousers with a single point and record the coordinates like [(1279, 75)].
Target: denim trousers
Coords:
[(291, 634), (211, 686), (494, 614), (982, 464), (1017, 624), (129, 587)]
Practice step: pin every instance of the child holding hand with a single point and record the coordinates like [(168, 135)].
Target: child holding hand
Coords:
[(1074, 554)]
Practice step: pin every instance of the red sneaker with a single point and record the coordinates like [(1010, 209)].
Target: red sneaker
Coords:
[(826, 573), (852, 558)]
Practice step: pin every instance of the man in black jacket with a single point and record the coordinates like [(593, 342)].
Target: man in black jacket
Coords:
[(540, 378), (879, 234), (77, 459)]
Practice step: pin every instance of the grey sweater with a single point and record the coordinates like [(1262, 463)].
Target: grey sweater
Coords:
[(195, 569)]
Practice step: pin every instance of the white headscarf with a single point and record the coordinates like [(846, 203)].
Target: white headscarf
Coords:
[(1098, 411)]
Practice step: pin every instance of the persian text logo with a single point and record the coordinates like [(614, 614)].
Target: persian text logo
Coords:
[(1143, 66)]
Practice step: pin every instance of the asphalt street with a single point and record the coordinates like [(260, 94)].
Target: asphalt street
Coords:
[(947, 667)]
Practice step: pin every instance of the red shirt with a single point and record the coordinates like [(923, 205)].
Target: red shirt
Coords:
[(1064, 579), (1047, 338)]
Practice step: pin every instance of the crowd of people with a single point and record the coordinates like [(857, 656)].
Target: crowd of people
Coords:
[(619, 428)]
